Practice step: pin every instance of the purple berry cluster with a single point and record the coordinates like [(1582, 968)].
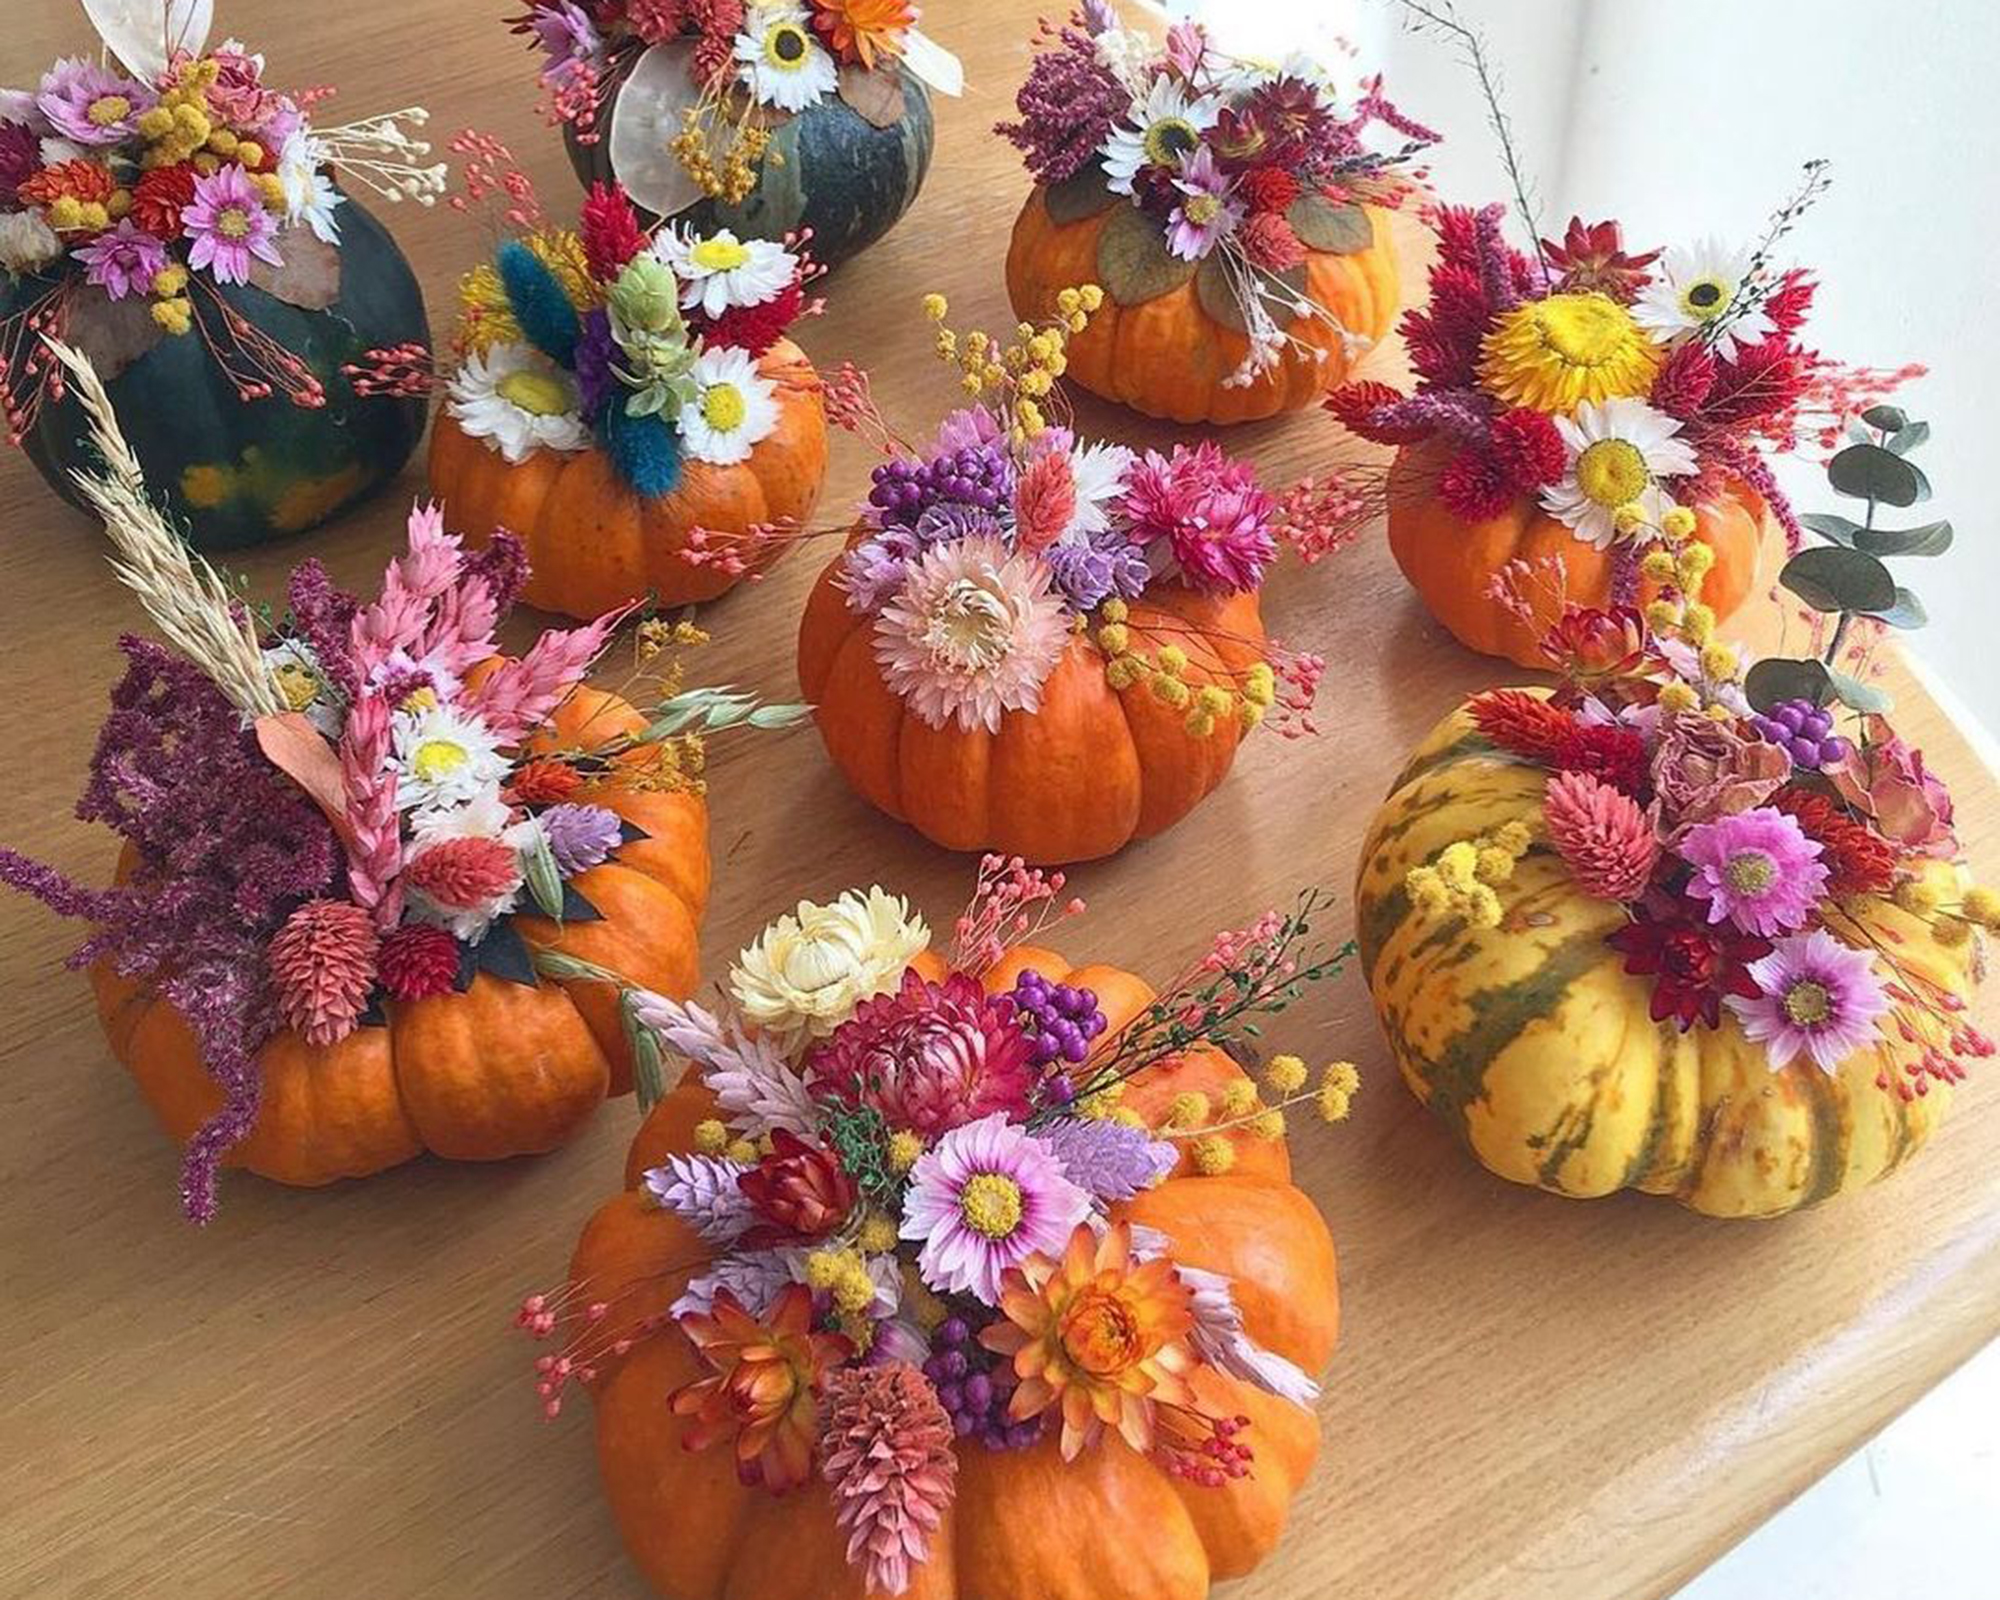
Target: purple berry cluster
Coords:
[(974, 1387), (1060, 1023), (979, 475), (1805, 731)]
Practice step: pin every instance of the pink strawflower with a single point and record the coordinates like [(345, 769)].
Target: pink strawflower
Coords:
[(1756, 868), (886, 1451), (974, 632), (1210, 512), (229, 225), (1044, 501), (323, 968), (1205, 215), (123, 261), (985, 1199), (1817, 997), (91, 104), (1603, 837), (929, 1056)]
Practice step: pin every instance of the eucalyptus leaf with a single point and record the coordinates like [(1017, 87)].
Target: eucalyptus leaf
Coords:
[(1830, 578), (1082, 194), (1217, 292), (1323, 224), (1134, 264), (1887, 418), (1829, 525), (1859, 696), (1868, 472), (1907, 612), (1904, 440), (1932, 539), (1772, 682)]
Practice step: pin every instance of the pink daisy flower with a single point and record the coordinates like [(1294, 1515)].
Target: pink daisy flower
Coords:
[(1209, 513), (91, 104), (229, 225), (1818, 997), (1206, 215), (1757, 868), (123, 261), (989, 1196), (974, 632)]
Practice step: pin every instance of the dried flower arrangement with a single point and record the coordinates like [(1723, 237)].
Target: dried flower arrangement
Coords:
[(966, 1236), (1011, 585), (340, 821), (165, 196), (641, 382), (1240, 202), (1758, 857), (1575, 399), (690, 103)]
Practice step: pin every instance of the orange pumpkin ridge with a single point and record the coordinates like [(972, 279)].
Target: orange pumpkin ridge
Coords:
[(594, 545)]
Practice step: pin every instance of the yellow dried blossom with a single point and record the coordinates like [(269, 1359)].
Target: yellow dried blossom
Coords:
[(1214, 1155), (1658, 565), (1188, 1109), (1115, 637), (1239, 1098), (1333, 1104), (1271, 1126), (1720, 662), (1982, 905), (1698, 624), (1285, 1074), (1342, 1075), (1662, 615), (1516, 838), (1458, 863), (1951, 932), (742, 1150), (1173, 659), (1918, 896), (1678, 523), (1495, 865), (711, 1137), (936, 307), (1678, 696), (1126, 1117), (904, 1150), (878, 1234)]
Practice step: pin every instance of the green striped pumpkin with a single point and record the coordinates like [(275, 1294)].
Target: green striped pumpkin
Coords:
[(1535, 1047)]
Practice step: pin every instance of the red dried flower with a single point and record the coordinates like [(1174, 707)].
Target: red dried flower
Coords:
[(1267, 241), (799, 1191), (1766, 380), (1858, 860), (755, 328), (1788, 305), (1692, 963), (159, 198), (887, 1453), (1355, 404), (1044, 500), (1684, 379), (464, 874), (1606, 750), (718, 22), (323, 967), (1474, 486), (1603, 837), (1592, 256), (83, 181), (1528, 448), (862, 31), (543, 782), (1587, 643), (418, 960), (1524, 723), (655, 21), (1268, 189), (611, 234)]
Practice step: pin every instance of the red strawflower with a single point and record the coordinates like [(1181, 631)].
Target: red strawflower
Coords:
[(799, 1191), (1474, 486), (1268, 189), (1587, 643), (323, 967), (543, 782), (611, 235), (159, 198), (655, 21), (1524, 723), (1767, 380), (717, 22), (1354, 405), (464, 874), (1608, 751), (1267, 241), (1692, 963), (1788, 305), (1592, 256), (1684, 379), (755, 328), (417, 961), (83, 181), (1858, 860), (1528, 448)]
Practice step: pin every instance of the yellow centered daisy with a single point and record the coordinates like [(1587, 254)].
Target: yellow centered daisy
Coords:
[(991, 1204), (1613, 473), (233, 222), (419, 700), (786, 46), (536, 393), (1169, 139), (1201, 209), (719, 255), (1559, 353), (1705, 299), (1751, 873), (297, 684), (1808, 1003), (109, 108), (723, 407), (437, 759)]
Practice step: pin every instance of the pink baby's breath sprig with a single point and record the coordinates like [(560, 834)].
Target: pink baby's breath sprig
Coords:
[(398, 371), (583, 1320), (1318, 519), (488, 168), (1011, 904), (850, 406)]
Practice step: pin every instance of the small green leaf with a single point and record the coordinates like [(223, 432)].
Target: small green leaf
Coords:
[(1828, 525), (1217, 292), (1907, 612), (1932, 539), (1868, 472), (1887, 418), (1904, 440), (1830, 578), (1776, 680), (1081, 195), (1859, 696), (1323, 224), (544, 877), (1134, 264)]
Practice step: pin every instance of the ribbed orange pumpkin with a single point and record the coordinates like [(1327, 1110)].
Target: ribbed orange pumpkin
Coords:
[(1091, 770), (1168, 356), (1452, 563), (499, 1070), (1111, 1526), (593, 545)]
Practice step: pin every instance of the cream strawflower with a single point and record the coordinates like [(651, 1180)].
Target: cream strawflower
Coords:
[(803, 975), (1693, 287), (1099, 473), (1161, 129), (26, 241), (734, 406), (719, 270), (1615, 454), (780, 61), (443, 757), (517, 399)]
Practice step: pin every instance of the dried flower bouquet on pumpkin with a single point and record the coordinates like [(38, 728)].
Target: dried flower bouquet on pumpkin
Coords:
[(360, 819), (920, 1225), (1234, 211), (1759, 860), (160, 197)]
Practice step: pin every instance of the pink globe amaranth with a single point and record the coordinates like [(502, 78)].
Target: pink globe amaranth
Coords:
[(929, 1057)]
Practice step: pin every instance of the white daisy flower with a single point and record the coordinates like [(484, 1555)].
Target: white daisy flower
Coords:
[(1616, 453), (1693, 287), (1099, 474), (443, 757), (734, 407), (310, 195), (780, 61), (719, 270), (303, 685), (1161, 129), (517, 398)]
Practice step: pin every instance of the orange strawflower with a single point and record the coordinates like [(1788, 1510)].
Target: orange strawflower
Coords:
[(860, 30), (544, 781), (1097, 1334)]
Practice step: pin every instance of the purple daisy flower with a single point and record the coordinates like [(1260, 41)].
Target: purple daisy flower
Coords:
[(123, 261), (91, 104), (1819, 998), (229, 225), (1206, 215), (1756, 868), (984, 1199)]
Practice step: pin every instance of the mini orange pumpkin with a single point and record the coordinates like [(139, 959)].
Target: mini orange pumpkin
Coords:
[(1168, 355), (1081, 777), (498, 1070), (595, 545), (1109, 1526), (1453, 564)]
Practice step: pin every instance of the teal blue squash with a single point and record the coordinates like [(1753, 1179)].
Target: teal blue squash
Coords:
[(839, 174), (237, 473)]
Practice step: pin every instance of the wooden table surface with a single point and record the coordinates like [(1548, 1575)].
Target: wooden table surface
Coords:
[(320, 1395)]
